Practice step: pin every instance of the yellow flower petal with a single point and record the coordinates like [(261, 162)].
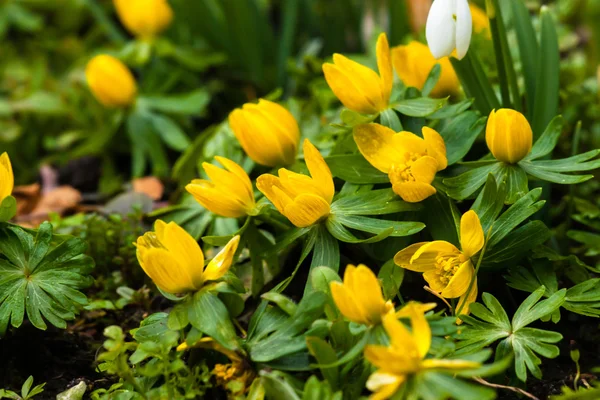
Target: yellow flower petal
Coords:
[(238, 171), (144, 18), (403, 258), (367, 80), (319, 170), (267, 132), (346, 303), (110, 81), (413, 192), (376, 143), (368, 295), (406, 141), (468, 299), (436, 147), (306, 209), (218, 266), (7, 180), (267, 184), (384, 64), (222, 203), (432, 249), (460, 282), (414, 61), (424, 169), (166, 272), (421, 331), (508, 135), (404, 312), (346, 90), (400, 337), (449, 364), (384, 385), (471, 234), (184, 248)]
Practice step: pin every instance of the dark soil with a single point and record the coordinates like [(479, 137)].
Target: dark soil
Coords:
[(61, 358)]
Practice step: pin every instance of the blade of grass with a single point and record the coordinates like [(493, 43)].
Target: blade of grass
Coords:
[(547, 74), (506, 70), (528, 50), (475, 82)]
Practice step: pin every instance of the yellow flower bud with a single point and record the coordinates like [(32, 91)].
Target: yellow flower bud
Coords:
[(414, 61), (359, 88), (268, 132), (174, 261), (144, 18), (508, 135), (7, 180), (359, 297), (302, 199), (111, 82), (228, 193)]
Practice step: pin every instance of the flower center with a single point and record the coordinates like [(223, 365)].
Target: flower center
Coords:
[(446, 267), (401, 172)]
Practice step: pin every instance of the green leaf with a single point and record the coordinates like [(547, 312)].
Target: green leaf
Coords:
[(432, 79), (556, 177), (460, 134), (390, 119), (8, 208), (391, 276), (545, 106), (490, 323), (373, 225), (517, 244), (169, 132), (528, 50), (354, 168), (452, 110), (525, 207), (442, 218), (208, 314), (420, 107), (325, 354), (42, 276), (530, 310), (490, 202), (283, 302), (341, 233), (462, 186), (516, 182), (547, 141), (193, 103), (475, 82), (373, 202), (288, 338)]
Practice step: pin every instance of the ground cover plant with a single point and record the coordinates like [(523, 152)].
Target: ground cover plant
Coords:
[(299, 199)]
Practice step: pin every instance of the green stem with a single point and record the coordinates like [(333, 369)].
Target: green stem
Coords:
[(114, 33)]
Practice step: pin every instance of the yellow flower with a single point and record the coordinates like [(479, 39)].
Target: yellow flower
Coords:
[(7, 179), (405, 356), (360, 298), (414, 61), (144, 18), (360, 88), (175, 262), (228, 193), (111, 82), (508, 135), (268, 132), (303, 200), (448, 270), (410, 161), (481, 23)]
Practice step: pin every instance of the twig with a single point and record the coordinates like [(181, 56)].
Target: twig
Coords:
[(511, 388)]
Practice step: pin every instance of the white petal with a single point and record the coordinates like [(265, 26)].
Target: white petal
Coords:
[(464, 28), (441, 28)]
